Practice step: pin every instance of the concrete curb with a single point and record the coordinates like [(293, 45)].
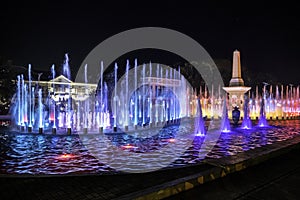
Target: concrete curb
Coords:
[(222, 167)]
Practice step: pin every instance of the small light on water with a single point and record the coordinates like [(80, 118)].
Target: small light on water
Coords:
[(225, 130), (172, 140), (245, 127), (128, 146), (200, 134), (65, 156)]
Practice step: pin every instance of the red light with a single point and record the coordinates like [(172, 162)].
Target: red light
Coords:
[(65, 156), (25, 118), (172, 140), (128, 146), (51, 118)]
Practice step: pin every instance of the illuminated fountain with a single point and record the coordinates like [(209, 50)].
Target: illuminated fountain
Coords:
[(40, 111), (61, 105), (162, 96), (225, 124), (262, 118), (247, 124), (199, 121), (30, 100), (53, 107), (285, 104)]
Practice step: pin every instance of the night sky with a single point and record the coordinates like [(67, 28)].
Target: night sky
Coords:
[(268, 35)]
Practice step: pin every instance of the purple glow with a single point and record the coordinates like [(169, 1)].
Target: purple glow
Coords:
[(262, 119), (225, 128), (199, 122), (246, 124), (262, 122), (41, 125), (54, 109)]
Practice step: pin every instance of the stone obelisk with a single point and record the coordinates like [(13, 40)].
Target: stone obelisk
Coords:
[(236, 89), (236, 79)]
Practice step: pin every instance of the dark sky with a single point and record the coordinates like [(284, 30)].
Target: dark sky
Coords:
[(268, 35)]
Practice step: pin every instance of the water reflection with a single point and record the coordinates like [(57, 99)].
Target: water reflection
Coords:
[(48, 154)]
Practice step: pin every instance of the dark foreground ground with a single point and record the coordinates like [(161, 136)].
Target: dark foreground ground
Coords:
[(270, 172), (277, 178)]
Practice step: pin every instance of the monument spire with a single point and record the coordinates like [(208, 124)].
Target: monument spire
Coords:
[(236, 89), (236, 79)]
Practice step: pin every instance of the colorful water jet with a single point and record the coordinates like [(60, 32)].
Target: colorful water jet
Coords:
[(247, 123), (199, 121), (225, 124), (262, 119)]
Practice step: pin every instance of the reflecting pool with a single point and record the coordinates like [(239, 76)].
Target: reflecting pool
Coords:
[(24, 153)]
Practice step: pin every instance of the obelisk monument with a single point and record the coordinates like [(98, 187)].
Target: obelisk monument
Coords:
[(236, 79), (236, 89)]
